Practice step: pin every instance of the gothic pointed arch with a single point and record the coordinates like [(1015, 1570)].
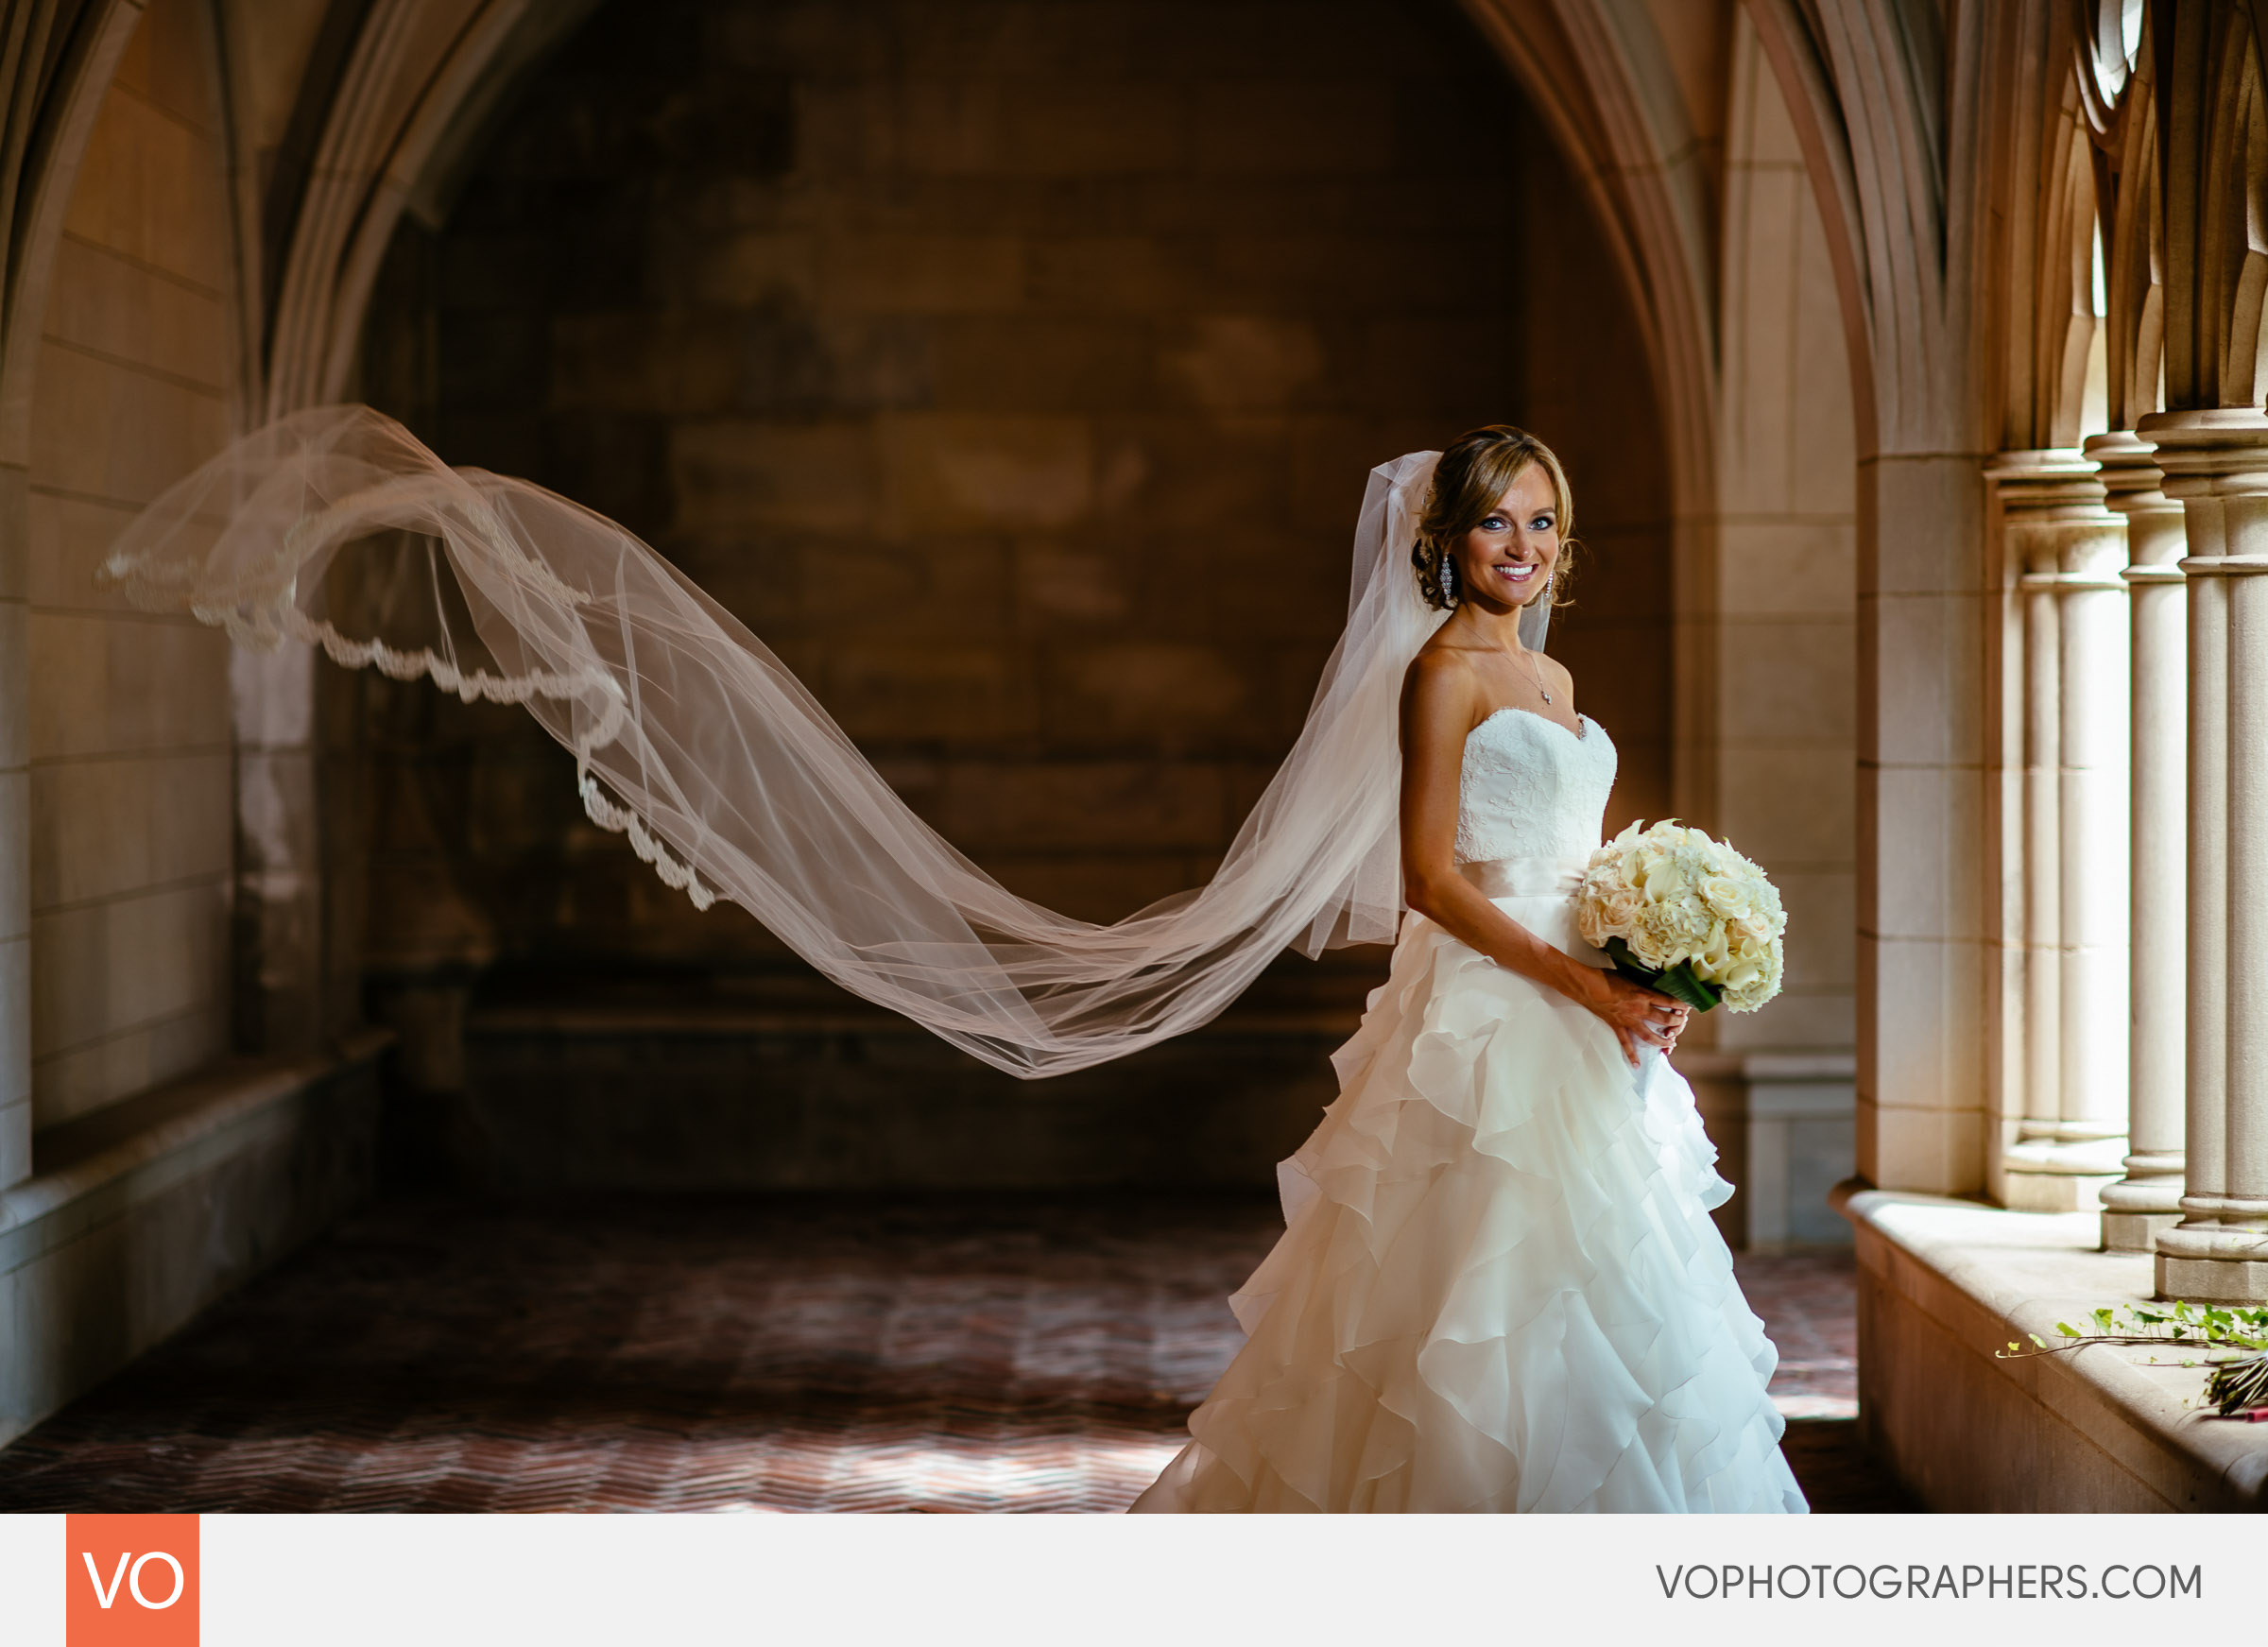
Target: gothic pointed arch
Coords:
[(56, 58), (407, 98)]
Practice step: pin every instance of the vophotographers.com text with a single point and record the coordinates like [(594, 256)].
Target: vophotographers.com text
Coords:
[(1883, 1581)]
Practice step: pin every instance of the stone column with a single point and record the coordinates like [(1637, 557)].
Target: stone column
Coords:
[(2148, 1198), (2072, 1136), (2245, 1137), (278, 924), (2043, 842), (2094, 865), (2216, 464)]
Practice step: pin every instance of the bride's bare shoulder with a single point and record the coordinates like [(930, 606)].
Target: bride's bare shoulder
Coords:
[(1438, 662), (1440, 682)]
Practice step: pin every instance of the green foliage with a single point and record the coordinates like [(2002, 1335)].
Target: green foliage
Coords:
[(2238, 1383)]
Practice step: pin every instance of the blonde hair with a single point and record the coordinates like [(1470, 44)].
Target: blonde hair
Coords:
[(1475, 472)]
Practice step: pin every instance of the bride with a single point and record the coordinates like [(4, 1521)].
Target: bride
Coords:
[(1499, 1287)]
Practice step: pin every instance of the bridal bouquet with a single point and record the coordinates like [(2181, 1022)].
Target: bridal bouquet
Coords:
[(1685, 914)]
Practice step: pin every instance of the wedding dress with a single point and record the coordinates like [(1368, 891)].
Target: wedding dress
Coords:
[(1498, 1287)]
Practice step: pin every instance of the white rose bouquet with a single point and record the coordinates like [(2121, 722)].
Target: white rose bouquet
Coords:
[(1685, 914)]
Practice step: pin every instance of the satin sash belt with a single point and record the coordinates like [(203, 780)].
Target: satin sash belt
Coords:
[(1540, 893), (1527, 877)]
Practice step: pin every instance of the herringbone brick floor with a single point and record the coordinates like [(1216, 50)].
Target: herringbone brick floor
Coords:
[(968, 1354)]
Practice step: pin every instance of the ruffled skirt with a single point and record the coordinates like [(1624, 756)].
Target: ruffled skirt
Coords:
[(1499, 1287)]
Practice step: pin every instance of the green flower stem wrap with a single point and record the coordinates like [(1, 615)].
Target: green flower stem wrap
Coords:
[(1678, 983)]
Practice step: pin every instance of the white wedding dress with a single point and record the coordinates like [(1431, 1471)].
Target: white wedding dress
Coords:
[(1499, 1287)]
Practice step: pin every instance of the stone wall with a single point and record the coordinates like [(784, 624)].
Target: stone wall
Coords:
[(1771, 610), (1786, 592), (130, 714), (1013, 371)]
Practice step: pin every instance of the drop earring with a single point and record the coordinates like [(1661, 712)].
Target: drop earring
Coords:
[(1449, 588)]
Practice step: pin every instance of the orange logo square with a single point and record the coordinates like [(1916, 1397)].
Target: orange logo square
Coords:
[(130, 1580)]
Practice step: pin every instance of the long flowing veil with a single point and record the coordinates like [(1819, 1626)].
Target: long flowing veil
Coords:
[(336, 526)]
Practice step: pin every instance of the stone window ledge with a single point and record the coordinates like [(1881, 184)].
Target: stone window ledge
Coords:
[(1943, 1284), (90, 1170), (139, 1215)]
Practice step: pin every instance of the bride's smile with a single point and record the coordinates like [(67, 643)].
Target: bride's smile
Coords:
[(1507, 559)]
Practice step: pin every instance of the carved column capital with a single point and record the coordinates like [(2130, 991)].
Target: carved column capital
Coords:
[(2218, 453), (2134, 486), (2051, 504)]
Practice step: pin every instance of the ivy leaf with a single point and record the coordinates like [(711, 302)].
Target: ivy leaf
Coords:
[(2068, 1329), (2037, 1339)]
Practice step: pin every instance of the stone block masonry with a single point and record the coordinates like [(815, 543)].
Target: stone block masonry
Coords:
[(1013, 372)]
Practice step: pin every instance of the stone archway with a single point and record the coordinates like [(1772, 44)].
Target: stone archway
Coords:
[(1082, 384)]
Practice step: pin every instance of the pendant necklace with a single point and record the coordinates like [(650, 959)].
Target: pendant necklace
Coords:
[(1537, 671)]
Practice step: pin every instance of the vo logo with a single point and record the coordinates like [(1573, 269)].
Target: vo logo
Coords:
[(130, 1580)]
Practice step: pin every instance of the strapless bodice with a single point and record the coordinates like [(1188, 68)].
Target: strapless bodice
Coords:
[(1533, 789)]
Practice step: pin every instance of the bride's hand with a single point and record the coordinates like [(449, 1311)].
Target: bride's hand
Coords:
[(1638, 1016)]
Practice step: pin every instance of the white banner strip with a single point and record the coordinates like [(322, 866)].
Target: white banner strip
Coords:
[(345, 1580)]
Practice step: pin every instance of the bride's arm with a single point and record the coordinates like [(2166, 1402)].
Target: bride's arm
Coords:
[(1438, 712)]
